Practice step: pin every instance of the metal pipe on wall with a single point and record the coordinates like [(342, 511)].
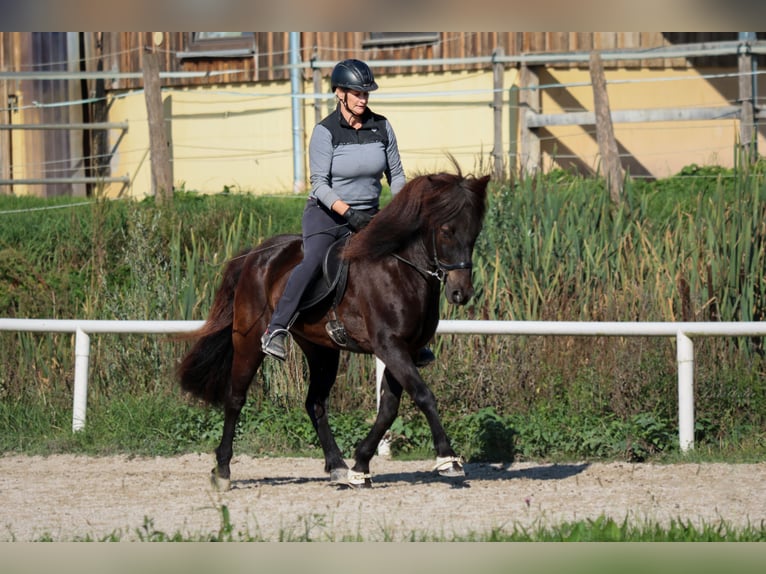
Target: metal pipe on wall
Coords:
[(299, 176)]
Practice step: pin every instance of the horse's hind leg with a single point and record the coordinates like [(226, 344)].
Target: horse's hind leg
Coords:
[(323, 368), (247, 358)]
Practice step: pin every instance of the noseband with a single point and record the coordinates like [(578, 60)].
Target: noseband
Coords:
[(441, 269)]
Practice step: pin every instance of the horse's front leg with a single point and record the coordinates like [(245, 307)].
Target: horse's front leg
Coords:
[(448, 463), (323, 369), (390, 397), (401, 373)]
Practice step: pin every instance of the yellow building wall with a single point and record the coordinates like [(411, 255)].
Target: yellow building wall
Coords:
[(224, 137), (660, 148), (240, 138), (439, 114)]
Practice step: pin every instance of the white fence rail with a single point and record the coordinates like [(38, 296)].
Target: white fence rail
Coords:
[(682, 332), (82, 330)]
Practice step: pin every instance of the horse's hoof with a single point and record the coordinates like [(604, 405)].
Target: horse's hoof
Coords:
[(359, 479), (221, 484), (339, 476), (449, 466), (350, 478)]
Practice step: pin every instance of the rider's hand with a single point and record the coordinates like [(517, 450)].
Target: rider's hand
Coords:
[(357, 220)]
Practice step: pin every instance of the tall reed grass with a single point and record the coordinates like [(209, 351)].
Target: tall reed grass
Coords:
[(553, 248), (557, 248)]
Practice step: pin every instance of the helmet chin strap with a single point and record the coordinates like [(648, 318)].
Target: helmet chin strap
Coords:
[(344, 101)]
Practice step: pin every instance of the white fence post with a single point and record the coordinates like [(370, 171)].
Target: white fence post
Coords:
[(81, 359), (384, 446), (685, 358)]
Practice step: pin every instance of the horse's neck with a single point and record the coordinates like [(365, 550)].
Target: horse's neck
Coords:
[(417, 252), (416, 255)]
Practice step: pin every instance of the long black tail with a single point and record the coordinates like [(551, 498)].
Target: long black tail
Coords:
[(205, 371)]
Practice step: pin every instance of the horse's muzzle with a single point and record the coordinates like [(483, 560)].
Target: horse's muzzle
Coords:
[(458, 292)]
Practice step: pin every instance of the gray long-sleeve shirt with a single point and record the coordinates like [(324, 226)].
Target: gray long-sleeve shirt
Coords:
[(348, 164)]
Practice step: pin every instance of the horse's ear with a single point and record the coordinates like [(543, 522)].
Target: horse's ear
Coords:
[(480, 183)]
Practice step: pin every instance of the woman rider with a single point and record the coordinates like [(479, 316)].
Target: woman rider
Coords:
[(350, 150)]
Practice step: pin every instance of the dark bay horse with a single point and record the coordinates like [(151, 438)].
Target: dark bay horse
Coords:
[(418, 244)]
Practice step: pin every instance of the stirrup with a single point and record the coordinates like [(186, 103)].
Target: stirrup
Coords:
[(273, 344), (337, 332)]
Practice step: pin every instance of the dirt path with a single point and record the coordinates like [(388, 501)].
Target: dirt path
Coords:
[(65, 497)]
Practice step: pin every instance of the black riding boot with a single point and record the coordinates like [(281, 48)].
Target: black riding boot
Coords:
[(425, 357)]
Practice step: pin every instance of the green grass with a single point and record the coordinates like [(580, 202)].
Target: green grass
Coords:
[(166, 424), (601, 529)]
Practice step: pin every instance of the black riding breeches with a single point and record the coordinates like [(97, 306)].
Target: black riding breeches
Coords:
[(321, 228)]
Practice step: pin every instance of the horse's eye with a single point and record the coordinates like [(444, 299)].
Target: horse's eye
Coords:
[(445, 231)]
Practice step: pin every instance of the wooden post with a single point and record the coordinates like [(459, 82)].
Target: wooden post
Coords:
[(316, 75), (99, 138), (167, 124), (607, 144), (529, 102), (6, 139), (497, 107), (747, 140), (162, 180)]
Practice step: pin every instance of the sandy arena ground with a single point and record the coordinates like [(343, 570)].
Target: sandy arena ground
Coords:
[(67, 498)]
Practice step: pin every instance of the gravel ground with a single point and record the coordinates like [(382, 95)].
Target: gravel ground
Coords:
[(67, 497)]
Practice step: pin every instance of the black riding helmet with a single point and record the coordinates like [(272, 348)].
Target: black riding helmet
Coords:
[(353, 75)]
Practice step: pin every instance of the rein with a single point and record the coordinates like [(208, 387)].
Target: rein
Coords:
[(280, 244), (440, 267)]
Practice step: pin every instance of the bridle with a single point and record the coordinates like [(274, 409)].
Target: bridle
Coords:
[(441, 269)]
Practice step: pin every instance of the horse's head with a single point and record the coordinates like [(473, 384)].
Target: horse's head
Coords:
[(440, 213), (456, 213)]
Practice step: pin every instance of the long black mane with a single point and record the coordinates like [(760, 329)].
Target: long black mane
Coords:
[(425, 202)]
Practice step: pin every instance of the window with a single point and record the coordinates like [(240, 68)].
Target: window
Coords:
[(397, 39), (219, 45)]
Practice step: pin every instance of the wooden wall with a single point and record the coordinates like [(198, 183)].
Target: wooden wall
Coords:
[(124, 51), (50, 153), (36, 153)]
